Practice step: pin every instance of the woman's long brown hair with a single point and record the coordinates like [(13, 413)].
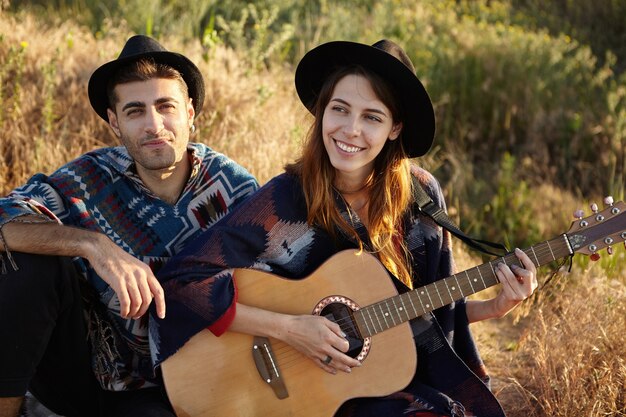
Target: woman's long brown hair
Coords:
[(389, 185)]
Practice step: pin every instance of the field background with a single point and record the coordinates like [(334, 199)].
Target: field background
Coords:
[(530, 98)]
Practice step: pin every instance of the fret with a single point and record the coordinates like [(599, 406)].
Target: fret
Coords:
[(406, 310), (397, 310), (385, 313), (369, 313), (445, 281), (538, 253), (491, 279), (428, 294), (493, 270), (480, 274), (552, 253), (383, 316), (412, 305), (404, 307), (363, 311), (481, 278), (380, 324), (450, 287), (438, 293), (390, 313), (464, 283), (470, 282), (459, 285), (378, 316), (398, 303), (360, 318), (537, 263), (420, 300)]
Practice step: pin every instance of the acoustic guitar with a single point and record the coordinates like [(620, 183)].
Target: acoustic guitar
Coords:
[(245, 376)]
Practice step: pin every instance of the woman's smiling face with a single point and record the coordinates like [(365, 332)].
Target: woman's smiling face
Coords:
[(355, 127)]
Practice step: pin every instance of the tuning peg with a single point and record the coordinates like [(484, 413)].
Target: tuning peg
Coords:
[(594, 207), (579, 214), (608, 200), (594, 256)]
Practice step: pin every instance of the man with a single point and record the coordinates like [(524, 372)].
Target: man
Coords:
[(79, 248)]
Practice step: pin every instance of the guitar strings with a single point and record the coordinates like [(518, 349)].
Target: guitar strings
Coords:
[(539, 251), (289, 356)]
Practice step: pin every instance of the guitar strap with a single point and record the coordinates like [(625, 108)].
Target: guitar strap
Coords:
[(427, 206)]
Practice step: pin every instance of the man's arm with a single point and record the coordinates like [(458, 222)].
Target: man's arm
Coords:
[(132, 280)]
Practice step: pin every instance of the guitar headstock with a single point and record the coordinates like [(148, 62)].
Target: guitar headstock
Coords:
[(600, 230)]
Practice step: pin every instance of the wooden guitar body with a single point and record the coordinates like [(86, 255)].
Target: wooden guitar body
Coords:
[(218, 376)]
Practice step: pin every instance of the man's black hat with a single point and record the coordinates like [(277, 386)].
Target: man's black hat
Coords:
[(136, 48)]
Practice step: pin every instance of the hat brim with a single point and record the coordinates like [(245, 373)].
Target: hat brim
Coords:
[(418, 130), (97, 87)]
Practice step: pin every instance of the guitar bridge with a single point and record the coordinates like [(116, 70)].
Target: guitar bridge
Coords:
[(267, 365)]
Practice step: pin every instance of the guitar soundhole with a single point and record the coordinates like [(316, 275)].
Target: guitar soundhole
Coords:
[(340, 310)]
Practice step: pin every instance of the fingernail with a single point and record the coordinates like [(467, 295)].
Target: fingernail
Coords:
[(348, 370), (344, 335)]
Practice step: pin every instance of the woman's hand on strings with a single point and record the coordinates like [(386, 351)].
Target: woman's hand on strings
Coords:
[(518, 283), (321, 340)]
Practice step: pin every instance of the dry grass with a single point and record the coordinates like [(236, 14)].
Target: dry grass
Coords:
[(251, 115), (255, 117), (561, 354)]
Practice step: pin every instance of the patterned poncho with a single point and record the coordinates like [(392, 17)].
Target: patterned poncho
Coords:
[(269, 232), (101, 191)]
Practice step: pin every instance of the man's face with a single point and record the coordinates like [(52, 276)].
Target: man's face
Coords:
[(152, 119)]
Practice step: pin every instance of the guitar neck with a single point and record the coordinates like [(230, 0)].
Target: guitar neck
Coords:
[(396, 310)]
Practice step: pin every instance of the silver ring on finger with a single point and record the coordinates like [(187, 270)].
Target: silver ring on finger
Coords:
[(327, 360)]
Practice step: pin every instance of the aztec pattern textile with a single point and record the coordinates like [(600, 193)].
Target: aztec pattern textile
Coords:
[(100, 191), (269, 232)]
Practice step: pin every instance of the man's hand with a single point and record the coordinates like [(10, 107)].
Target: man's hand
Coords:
[(132, 280)]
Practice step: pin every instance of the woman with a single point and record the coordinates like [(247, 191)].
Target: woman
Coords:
[(351, 188)]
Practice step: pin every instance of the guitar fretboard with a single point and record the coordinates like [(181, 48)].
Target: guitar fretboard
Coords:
[(396, 310)]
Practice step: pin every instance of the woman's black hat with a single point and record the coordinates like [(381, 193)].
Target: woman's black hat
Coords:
[(389, 61)]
